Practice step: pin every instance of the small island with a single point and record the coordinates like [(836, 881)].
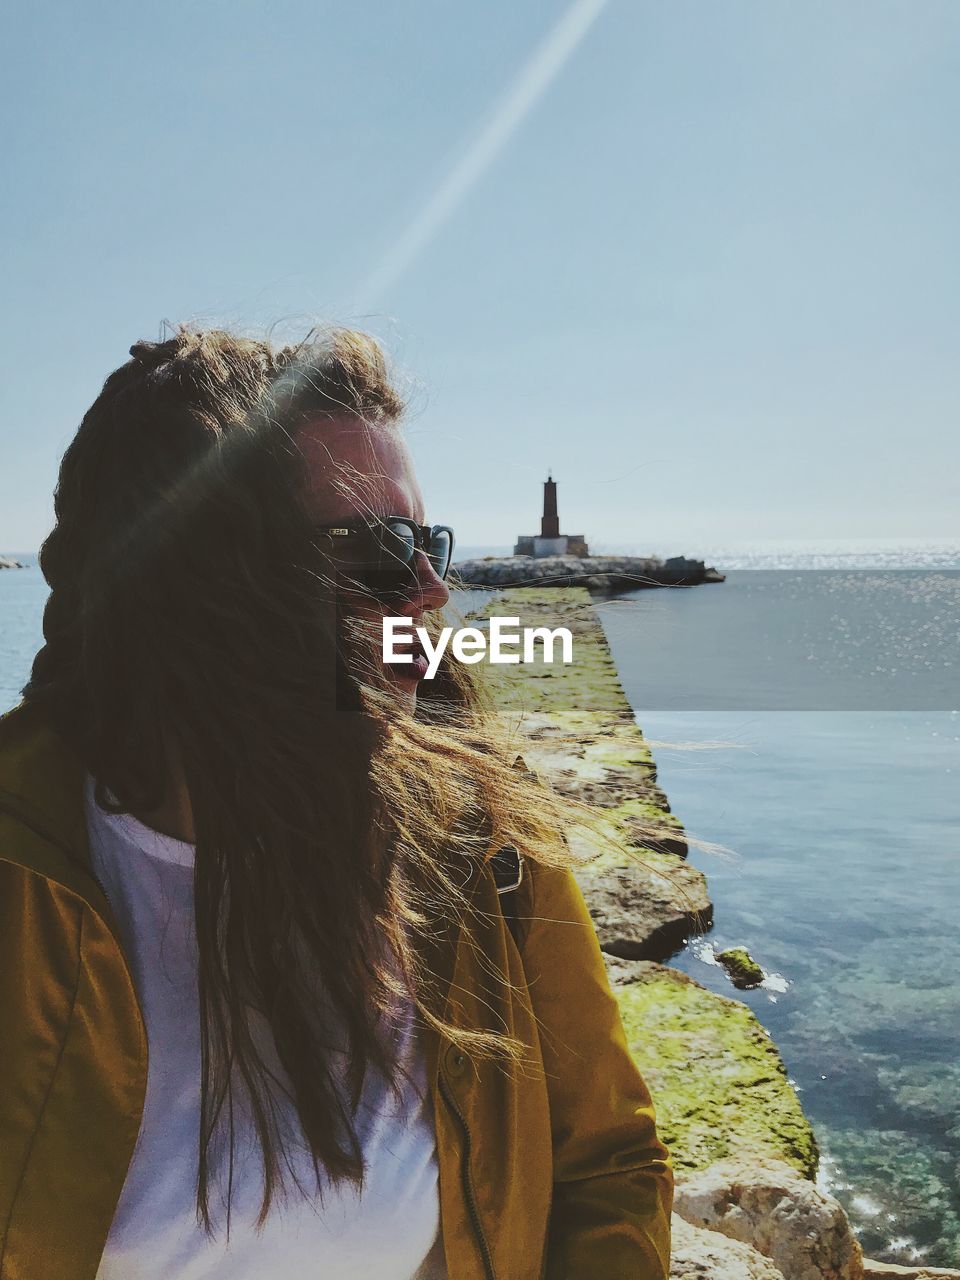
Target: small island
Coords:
[(555, 559), (8, 562)]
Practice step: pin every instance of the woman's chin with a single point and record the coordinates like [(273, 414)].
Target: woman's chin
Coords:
[(406, 679)]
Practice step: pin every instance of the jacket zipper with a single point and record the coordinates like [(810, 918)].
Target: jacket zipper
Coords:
[(468, 1181)]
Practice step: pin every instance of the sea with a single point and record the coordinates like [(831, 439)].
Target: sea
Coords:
[(805, 720)]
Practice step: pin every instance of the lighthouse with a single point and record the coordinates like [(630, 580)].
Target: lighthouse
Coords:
[(550, 541), (550, 521)]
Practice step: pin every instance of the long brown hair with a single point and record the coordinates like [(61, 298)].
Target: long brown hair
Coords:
[(192, 618)]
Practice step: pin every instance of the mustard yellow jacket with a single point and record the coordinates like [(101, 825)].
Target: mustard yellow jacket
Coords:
[(550, 1172)]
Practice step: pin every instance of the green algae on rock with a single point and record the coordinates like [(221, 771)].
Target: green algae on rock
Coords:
[(719, 1083), (588, 685), (743, 969), (576, 729)]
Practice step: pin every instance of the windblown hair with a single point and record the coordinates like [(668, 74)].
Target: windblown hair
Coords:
[(192, 630)]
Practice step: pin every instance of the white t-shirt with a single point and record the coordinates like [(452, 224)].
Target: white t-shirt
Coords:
[(390, 1232)]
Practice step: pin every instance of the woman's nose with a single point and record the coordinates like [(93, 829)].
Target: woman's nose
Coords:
[(432, 592)]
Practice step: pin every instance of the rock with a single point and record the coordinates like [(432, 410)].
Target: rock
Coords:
[(769, 1205), (7, 562), (743, 970), (705, 1255), (679, 571), (601, 575), (720, 1087), (647, 909)]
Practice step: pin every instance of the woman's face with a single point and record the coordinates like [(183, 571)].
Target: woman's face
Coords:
[(355, 470)]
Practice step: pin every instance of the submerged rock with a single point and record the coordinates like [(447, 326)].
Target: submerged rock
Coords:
[(743, 969), (882, 1270), (719, 1083), (919, 1211), (706, 1255), (770, 1206)]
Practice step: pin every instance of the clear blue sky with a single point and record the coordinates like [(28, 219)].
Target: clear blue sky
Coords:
[(710, 275)]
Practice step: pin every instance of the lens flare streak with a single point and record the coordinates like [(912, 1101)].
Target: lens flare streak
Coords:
[(534, 79)]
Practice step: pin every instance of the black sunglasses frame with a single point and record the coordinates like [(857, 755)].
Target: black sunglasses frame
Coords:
[(386, 574)]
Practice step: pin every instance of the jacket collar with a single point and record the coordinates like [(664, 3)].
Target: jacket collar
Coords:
[(41, 791), (41, 786)]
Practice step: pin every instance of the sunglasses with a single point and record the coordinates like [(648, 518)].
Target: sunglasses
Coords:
[(380, 554)]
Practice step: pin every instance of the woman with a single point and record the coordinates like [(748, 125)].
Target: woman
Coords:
[(263, 1013)]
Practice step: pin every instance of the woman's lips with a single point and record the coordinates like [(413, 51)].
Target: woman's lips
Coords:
[(415, 670)]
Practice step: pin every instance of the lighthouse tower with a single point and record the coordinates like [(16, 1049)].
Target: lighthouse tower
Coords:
[(550, 521), (550, 541)]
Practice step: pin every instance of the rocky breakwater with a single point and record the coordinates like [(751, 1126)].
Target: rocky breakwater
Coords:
[(601, 575), (747, 1207)]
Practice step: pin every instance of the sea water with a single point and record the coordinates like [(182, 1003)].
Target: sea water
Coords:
[(808, 719), (23, 594), (804, 715)]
